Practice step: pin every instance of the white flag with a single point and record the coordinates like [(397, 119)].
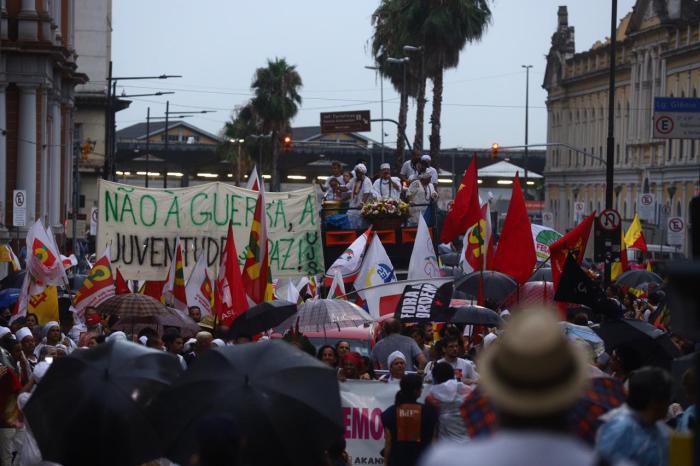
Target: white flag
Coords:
[(199, 287), (253, 181), (43, 259), (376, 267), (337, 288), (423, 262), (350, 261), (287, 291)]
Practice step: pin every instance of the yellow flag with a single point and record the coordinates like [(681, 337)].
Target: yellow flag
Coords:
[(44, 305)]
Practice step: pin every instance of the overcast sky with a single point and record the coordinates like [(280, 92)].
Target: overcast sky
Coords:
[(217, 45)]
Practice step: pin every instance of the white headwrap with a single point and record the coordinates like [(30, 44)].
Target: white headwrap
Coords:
[(360, 167), (385, 165), (23, 333), (40, 370), (49, 325), (117, 336), (425, 158), (143, 339), (394, 356), (4, 331), (218, 342)]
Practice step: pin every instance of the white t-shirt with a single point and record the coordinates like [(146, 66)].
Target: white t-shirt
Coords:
[(433, 175), (357, 192), (387, 188), (408, 169), (508, 448), (464, 369), (327, 184)]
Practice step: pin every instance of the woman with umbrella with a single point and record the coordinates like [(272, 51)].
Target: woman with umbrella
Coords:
[(409, 426), (396, 362)]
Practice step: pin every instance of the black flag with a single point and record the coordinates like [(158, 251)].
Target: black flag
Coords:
[(577, 287), (423, 302)]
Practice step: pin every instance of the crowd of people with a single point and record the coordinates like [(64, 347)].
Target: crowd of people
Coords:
[(530, 370), (416, 184)]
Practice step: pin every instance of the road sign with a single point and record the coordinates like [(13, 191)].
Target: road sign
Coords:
[(607, 235), (19, 208), (93, 221), (345, 122), (675, 227), (676, 118), (646, 206)]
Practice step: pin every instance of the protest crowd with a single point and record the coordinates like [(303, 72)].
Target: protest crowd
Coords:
[(468, 364)]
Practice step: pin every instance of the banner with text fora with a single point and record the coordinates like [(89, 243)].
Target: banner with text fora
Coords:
[(141, 226)]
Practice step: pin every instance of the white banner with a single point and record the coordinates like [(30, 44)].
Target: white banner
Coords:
[(141, 224)]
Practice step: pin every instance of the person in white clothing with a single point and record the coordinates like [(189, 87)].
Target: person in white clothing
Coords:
[(410, 169), (464, 370), (387, 186), (360, 188), (420, 193), (426, 160), (336, 174), (533, 376)]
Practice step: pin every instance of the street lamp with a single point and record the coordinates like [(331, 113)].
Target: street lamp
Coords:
[(238, 142), (527, 112), (381, 97)]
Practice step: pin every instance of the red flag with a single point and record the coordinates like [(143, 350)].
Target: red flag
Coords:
[(575, 242), (153, 288), (121, 284), (515, 254), (465, 210), (230, 295), (256, 270)]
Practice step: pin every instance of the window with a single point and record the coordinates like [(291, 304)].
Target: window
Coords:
[(624, 209), (678, 209), (617, 154), (600, 154), (627, 155), (680, 149), (670, 150)]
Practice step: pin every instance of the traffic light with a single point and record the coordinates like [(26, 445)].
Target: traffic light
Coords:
[(494, 150), (287, 142)]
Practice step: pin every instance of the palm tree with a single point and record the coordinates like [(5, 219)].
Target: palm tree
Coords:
[(276, 102), (390, 35), (445, 27)]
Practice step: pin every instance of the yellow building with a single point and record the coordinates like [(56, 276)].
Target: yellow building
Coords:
[(658, 55)]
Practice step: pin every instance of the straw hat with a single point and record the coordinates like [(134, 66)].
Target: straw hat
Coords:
[(532, 369)]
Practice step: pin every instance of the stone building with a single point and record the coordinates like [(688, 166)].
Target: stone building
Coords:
[(658, 54), (38, 74)]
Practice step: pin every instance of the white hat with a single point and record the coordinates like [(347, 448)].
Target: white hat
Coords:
[(218, 342), (425, 158), (393, 357), (117, 336), (143, 339), (23, 333), (533, 369), (385, 165), (360, 167), (4, 331)]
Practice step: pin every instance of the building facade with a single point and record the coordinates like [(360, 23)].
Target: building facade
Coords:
[(93, 44), (658, 55), (38, 74)]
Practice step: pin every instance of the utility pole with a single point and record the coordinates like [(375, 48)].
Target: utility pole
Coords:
[(165, 150), (148, 142), (527, 114), (610, 165), (76, 195)]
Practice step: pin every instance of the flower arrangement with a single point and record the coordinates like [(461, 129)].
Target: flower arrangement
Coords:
[(384, 208)]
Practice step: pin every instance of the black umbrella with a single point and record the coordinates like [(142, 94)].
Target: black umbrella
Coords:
[(285, 403), (474, 315), (13, 280), (262, 317), (654, 346), (634, 278), (92, 407), (497, 286), (543, 274)]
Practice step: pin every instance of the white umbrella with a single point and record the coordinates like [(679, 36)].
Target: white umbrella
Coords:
[(316, 315)]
